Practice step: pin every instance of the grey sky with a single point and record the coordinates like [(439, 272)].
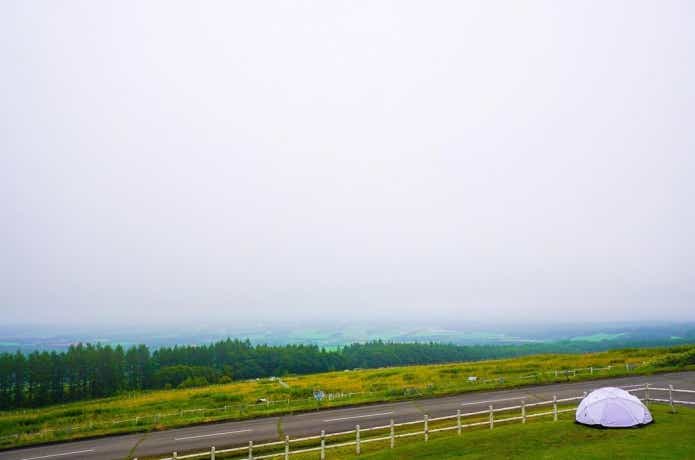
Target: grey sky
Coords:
[(231, 160)]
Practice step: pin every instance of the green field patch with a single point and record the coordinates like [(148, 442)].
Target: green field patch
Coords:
[(600, 337)]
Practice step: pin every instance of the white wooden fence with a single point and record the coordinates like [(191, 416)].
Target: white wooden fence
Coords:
[(285, 446)]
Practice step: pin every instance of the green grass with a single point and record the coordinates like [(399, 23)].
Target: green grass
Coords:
[(670, 437), (597, 337), (161, 409)]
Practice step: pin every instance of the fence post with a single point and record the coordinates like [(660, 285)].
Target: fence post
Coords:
[(523, 411), (357, 439), (670, 397), (323, 444), (212, 453), (627, 367), (554, 408), (458, 421), (392, 434), (555, 373), (427, 428), (250, 450), (492, 418), (591, 370), (646, 393), (287, 447), (174, 455)]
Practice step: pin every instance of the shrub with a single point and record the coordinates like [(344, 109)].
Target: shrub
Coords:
[(378, 375), (409, 377), (192, 382), (176, 375), (71, 413), (377, 387), (297, 392), (225, 397), (452, 371), (676, 359)]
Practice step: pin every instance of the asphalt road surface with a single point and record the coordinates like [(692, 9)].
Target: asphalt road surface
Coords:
[(228, 434)]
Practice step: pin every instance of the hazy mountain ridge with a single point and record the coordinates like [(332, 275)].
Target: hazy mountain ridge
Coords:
[(333, 336)]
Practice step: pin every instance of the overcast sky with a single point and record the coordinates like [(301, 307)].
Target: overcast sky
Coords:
[(228, 161)]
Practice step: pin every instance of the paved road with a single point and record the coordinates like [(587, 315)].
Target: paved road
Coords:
[(240, 433)]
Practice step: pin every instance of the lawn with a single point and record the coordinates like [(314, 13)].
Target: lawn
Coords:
[(671, 436), (157, 410)]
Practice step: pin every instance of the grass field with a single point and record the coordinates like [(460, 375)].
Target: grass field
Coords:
[(670, 437), (156, 410)]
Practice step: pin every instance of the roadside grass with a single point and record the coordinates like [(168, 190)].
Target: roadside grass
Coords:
[(163, 409), (670, 437)]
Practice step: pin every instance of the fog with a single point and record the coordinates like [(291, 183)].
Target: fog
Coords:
[(227, 162)]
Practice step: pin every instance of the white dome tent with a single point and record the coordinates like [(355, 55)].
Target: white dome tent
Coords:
[(612, 408)]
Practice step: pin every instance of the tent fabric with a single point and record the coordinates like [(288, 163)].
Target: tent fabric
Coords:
[(613, 408)]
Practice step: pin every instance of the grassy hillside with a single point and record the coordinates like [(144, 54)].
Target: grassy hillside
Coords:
[(169, 408), (670, 437)]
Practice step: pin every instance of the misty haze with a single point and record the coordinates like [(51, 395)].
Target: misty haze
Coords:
[(480, 162)]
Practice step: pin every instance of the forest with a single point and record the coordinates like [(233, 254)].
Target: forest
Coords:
[(87, 371)]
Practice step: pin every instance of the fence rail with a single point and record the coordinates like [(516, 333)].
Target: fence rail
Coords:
[(247, 451)]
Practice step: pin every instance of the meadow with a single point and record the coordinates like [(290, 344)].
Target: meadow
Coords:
[(161, 409)]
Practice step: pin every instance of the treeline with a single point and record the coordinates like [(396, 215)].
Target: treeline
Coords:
[(87, 371)]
